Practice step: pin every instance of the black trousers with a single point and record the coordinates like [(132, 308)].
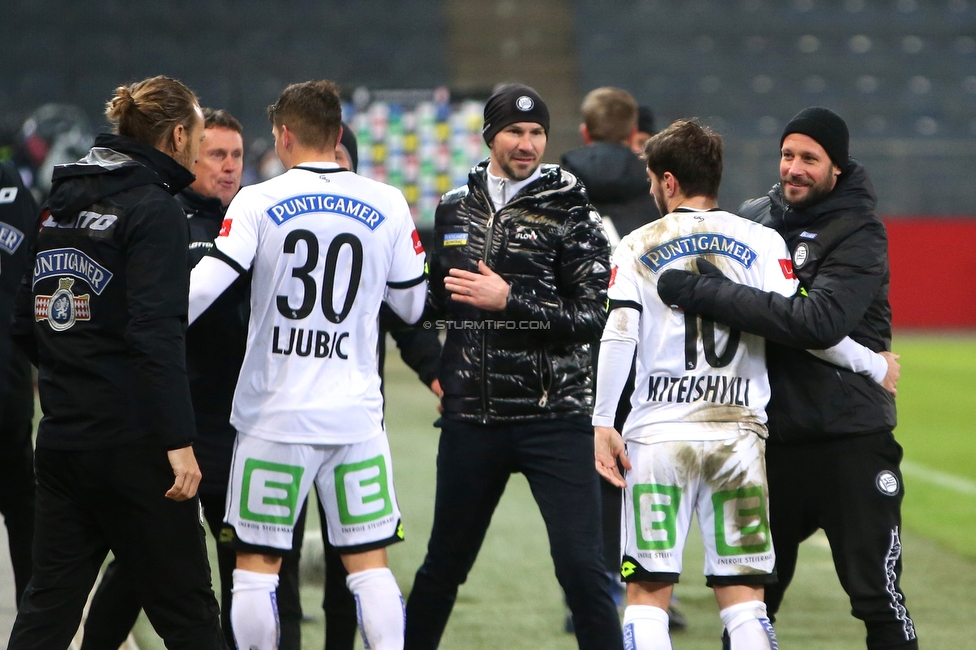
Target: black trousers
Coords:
[(115, 605), (93, 501), (17, 473), (852, 489), (473, 466)]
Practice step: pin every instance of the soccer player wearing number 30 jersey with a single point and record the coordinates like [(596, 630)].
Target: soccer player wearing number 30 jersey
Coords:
[(326, 248), (695, 438)]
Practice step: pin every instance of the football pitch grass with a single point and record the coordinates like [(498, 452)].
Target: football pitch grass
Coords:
[(512, 600)]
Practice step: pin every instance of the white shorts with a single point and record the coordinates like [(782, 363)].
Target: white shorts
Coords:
[(269, 482), (724, 482)]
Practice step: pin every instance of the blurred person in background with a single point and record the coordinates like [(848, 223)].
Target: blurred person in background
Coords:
[(18, 228), (645, 129), (615, 178), (104, 320)]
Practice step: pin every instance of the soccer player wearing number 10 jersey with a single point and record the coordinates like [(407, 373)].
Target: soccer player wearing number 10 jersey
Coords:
[(695, 438), (326, 247)]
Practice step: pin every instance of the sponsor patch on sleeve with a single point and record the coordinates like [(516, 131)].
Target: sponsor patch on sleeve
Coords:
[(787, 267), (613, 276), (10, 238), (418, 247), (225, 227)]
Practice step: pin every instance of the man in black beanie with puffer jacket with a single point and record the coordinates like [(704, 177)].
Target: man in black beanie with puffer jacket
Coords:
[(832, 459), (518, 277)]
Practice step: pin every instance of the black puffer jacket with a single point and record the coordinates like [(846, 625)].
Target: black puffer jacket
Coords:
[(616, 180), (549, 245), (105, 319), (840, 256)]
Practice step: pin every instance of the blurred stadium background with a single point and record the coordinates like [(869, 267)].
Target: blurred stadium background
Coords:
[(415, 74)]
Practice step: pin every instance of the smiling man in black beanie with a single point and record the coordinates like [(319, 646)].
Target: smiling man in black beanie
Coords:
[(518, 277), (832, 460)]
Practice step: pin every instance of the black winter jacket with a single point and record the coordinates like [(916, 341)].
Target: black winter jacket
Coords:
[(616, 180), (549, 245), (214, 350), (840, 256), (105, 318), (18, 227)]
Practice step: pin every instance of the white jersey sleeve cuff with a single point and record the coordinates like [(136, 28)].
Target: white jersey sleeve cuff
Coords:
[(852, 355)]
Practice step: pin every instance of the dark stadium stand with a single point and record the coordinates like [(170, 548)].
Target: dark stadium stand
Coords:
[(235, 54), (902, 73)]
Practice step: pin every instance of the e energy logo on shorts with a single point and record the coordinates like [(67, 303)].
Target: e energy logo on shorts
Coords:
[(71, 261), (698, 244), (656, 516), (270, 492), (741, 523), (296, 206), (362, 491)]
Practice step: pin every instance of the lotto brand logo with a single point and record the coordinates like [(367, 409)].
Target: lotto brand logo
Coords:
[(269, 493), (418, 247), (225, 227), (362, 491), (8, 194), (613, 276)]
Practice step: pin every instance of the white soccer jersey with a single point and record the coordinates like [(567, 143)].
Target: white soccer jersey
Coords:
[(696, 379), (323, 245)]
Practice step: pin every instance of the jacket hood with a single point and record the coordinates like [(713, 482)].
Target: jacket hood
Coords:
[(554, 183), (611, 172), (854, 191), (115, 164)]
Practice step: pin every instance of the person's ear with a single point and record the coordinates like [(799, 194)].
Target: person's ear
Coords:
[(585, 133)]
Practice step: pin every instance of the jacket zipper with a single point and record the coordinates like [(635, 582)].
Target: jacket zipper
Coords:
[(545, 367), (489, 235)]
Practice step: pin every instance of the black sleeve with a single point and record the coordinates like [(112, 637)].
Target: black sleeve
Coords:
[(157, 289), (845, 285), (436, 293), (421, 350), (583, 272), (18, 230)]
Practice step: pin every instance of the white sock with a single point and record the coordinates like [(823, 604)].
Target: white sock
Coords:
[(749, 627), (379, 607), (646, 628), (254, 610)]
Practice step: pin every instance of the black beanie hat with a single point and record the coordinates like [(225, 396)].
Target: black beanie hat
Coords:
[(645, 120), (511, 104), (827, 128), (348, 140)]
